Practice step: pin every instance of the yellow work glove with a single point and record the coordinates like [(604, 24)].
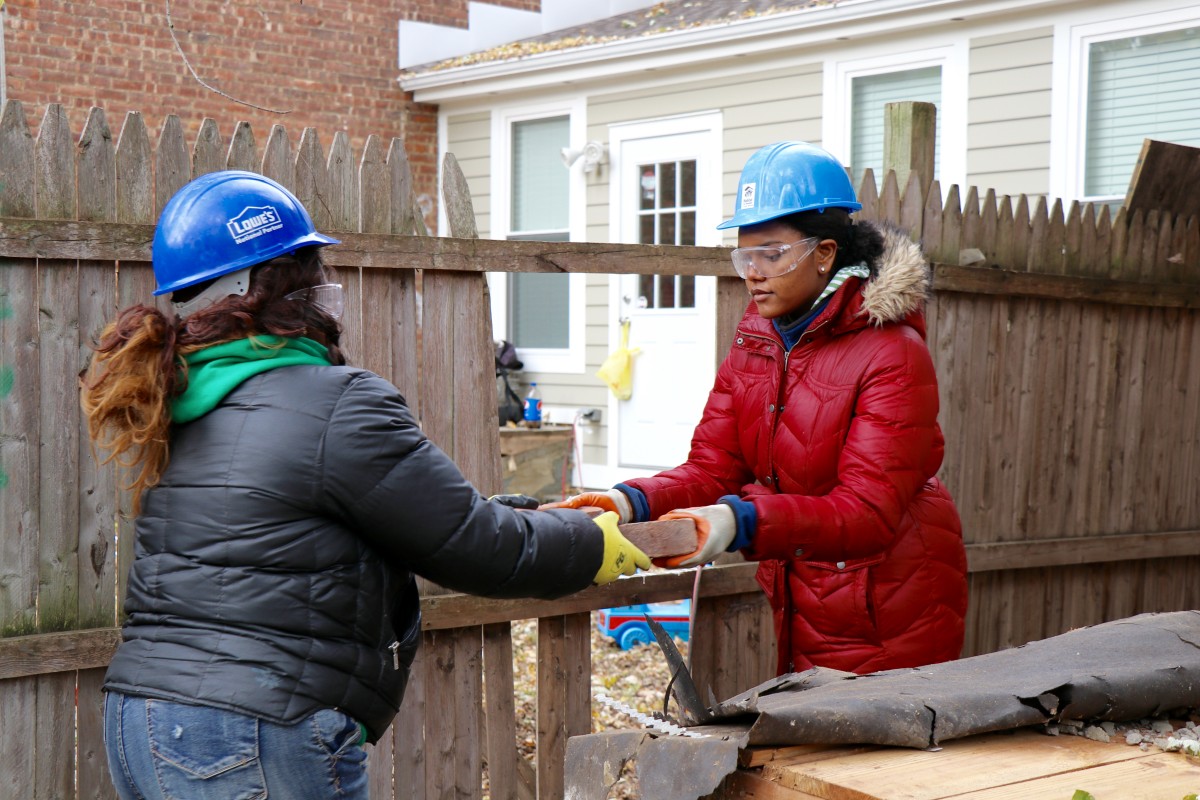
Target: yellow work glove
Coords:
[(611, 500), (621, 557)]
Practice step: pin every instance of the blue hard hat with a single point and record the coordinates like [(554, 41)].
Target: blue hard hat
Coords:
[(786, 178), (225, 221)]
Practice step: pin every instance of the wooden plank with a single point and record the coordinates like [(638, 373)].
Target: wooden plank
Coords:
[(952, 219), (19, 381), (242, 153), (208, 153), (18, 701), (457, 196), (1153, 777), (381, 777), (660, 538), (57, 652), (961, 766), (553, 691), (115, 241), (343, 186), (312, 180), (96, 500), (467, 675), (93, 779), (278, 163), (53, 733), (1164, 179), (57, 301), (500, 707), (409, 750), (752, 786), (172, 170), (909, 133)]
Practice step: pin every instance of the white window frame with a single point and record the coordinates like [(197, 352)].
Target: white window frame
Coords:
[(952, 57), (570, 359), (1069, 87)]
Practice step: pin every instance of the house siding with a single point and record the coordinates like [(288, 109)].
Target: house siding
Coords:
[(1008, 113), (469, 137)]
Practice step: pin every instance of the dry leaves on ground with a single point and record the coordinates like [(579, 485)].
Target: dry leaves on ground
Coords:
[(637, 677)]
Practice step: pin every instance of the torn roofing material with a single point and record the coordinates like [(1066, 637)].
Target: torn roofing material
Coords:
[(1128, 669), (1120, 671)]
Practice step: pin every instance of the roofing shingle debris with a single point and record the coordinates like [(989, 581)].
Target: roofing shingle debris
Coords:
[(664, 17), (1142, 670)]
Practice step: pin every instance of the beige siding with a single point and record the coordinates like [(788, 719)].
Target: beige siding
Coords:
[(1008, 112), (468, 137)]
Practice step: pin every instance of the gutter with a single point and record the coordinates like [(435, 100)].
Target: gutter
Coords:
[(758, 35)]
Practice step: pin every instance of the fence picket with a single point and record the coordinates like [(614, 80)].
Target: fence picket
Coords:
[(277, 162), (343, 190), (172, 168), (242, 153), (19, 442), (912, 206), (989, 219), (1019, 249), (952, 219), (868, 196), (208, 152)]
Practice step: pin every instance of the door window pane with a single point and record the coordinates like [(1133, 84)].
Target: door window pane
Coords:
[(667, 215), (1143, 87), (869, 95)]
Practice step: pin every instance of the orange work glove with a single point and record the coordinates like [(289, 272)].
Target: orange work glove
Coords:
[(613, 500), (716, 528)]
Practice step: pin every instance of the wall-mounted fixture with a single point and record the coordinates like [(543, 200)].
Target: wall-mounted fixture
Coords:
[(593, 154)]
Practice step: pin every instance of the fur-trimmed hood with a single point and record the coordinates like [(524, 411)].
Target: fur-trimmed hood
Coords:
[(900, 281)]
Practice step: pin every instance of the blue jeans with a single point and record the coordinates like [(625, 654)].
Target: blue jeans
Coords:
[(161, 750)]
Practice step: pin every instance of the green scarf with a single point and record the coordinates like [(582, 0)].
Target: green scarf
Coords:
[(216, 371)]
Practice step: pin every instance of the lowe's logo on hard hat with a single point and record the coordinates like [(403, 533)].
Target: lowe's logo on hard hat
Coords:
[(254, 221)]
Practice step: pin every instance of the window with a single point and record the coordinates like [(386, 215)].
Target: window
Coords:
[(535, 197), (1119, 80), (539, 200), (1140, 87), (667, 215), (869, 95), (857, 88)]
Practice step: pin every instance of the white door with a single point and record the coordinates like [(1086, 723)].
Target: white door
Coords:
[(666, 190)]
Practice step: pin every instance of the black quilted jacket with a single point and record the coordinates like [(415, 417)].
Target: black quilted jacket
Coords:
[(275, 559)]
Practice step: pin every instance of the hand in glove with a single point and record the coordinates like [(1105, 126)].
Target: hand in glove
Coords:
[(621, 556), (716, 528), (612, 500), (516, 501)]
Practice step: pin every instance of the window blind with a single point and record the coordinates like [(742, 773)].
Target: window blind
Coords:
[(869, 95), (1142, 87)]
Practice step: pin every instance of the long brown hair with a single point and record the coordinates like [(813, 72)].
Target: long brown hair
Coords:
[(137, 367)]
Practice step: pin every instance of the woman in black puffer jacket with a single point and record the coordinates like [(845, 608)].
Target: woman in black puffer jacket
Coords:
[(272, 606)]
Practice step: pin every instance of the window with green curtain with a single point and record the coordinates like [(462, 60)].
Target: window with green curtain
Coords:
[(869, 95), (1143, 87), (540, 204)]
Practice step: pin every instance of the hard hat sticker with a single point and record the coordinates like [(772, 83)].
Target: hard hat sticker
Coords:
[(254, 221), (748, 195)]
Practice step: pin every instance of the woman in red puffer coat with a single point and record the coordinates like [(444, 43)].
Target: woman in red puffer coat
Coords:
[(817, 452)]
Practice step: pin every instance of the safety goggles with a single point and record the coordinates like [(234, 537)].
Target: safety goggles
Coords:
[(327, 298), (771, 261)]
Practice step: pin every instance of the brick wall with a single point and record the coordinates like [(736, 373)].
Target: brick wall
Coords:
[(331, 64)]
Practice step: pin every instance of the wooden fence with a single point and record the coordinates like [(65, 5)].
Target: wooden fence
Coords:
[(1065, 348)]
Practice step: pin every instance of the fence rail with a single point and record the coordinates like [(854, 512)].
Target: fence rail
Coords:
[(1064, 341)]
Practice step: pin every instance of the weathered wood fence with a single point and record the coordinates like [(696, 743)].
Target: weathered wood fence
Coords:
[(1065, 350)]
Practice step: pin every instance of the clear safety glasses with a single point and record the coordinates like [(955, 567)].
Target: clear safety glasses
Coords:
[(327, 297), (771, 261)]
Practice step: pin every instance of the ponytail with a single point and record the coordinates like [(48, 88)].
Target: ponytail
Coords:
[(126, 392)]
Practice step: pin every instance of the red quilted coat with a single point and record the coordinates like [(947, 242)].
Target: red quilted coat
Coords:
[(836, 444)]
